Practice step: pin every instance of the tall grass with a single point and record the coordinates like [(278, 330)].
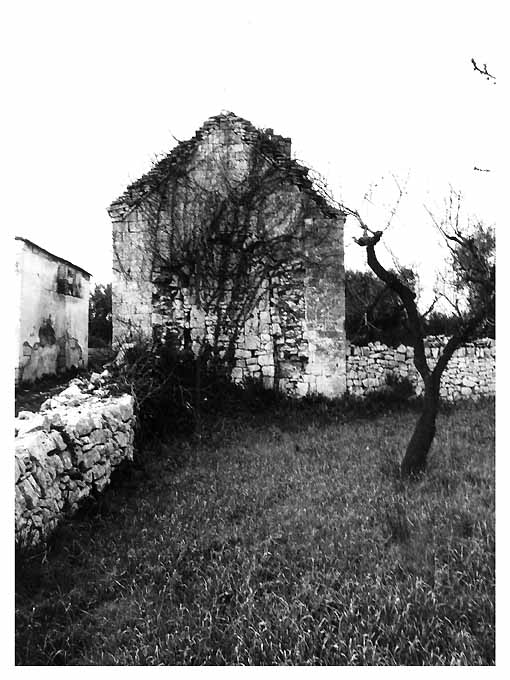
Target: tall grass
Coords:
[(278, 540)]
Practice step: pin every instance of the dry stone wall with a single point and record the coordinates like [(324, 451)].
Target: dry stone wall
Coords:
[(67, 451), (470, 374)]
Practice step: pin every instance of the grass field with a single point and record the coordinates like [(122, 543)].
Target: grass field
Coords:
[(278, 539)]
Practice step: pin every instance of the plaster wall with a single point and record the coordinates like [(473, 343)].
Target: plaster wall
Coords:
[(52, 327)]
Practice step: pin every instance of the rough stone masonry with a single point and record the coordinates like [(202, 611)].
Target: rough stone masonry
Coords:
[(228, 248), (66, 452), (470, 374)]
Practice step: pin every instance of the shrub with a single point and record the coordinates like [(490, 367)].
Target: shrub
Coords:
[(160, 380), (100, 315), (399, 388)]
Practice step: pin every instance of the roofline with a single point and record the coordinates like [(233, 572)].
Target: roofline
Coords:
[(55, 257), (125, 203)]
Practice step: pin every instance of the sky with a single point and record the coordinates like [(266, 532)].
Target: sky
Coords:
[(366, 91)]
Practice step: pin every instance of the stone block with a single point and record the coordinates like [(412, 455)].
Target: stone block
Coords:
[(55, 419), (35, 445), (58, 441), (122, 439), (89, 458), (66, 459), (96, 417), (19, 503), (19, 469), (101, 483), (112, 418), (251, 342), (31, 493), (98, 437), (84, 426), (39, 421), (242, 354), (71, 392), (302, 389), (55, 463), (288, 370), (88, 478)]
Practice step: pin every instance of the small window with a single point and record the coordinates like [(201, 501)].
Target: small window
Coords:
[(68, 281)]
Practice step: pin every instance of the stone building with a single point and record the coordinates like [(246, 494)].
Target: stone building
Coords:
[(227, 247), (52, 321)]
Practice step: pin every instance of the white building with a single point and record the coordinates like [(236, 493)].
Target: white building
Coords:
[(52, 320)]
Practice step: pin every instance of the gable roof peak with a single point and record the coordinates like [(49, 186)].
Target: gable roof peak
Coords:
[(276, 146)]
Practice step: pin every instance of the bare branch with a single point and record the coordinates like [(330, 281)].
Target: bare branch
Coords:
[(402, 190), (430, 308), (483, 71)]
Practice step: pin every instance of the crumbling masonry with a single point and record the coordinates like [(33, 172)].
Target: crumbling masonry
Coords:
[(227, 248)]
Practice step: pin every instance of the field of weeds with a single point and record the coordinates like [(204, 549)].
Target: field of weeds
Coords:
[(278, 539)]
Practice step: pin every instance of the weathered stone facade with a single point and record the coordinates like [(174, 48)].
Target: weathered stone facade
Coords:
[(470, 373), (52, 323), (66, 452), (227, 244)]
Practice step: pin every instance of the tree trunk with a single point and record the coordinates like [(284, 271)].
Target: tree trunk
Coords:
[(415, 459)]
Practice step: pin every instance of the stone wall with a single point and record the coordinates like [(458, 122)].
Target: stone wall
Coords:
[(287, 329), (470, 374), (66, 452)]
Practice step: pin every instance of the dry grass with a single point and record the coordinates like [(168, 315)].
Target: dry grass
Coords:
[(282, 539)]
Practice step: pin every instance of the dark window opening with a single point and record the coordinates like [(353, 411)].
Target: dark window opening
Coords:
[(68, 281)]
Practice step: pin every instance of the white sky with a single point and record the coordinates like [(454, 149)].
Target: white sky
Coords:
[(365, 89)]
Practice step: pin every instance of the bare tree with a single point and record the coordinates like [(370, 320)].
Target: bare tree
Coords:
[(472, 279)]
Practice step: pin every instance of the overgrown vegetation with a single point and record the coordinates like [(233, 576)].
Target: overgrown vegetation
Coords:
[(100, 316), (469, 286), (375, 313), (175, 390), (282, 535)]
